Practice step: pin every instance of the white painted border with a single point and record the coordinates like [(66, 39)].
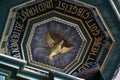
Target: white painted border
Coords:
[(115, 9)]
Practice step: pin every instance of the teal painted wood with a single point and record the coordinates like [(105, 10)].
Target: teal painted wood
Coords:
[(14, 68), (114, 25), (2, 77), (5, 6), (109, 16)]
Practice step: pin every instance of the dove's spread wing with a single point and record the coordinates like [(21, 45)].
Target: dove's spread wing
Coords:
[(49, 40), (65, 49)]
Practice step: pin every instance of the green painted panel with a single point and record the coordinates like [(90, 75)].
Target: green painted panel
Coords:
[(111, 20)]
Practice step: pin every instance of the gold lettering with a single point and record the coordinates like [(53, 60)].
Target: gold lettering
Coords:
[(22, 18), (95, 33), (30, 11), (98, 41), (47, 5), (93, 52), (25, 13), (74, 10), (89, 58), (61, 5), (40, 7), (14, 43), (89, 21), (15, 35), (35, 9), (70, 8), (18, 27), (14, 48), (80, 11), (96, 46), (93, 27), (86, 15), (17, 55), (82, 68), (66, 7), (87, 64)]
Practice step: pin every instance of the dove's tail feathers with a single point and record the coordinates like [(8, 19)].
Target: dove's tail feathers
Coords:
[(50, 57), (65, 49)]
